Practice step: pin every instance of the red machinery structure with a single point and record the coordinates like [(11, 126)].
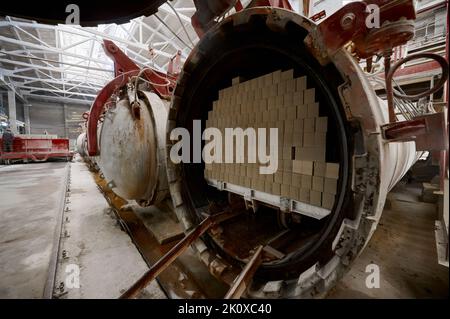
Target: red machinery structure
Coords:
[(36, 149)]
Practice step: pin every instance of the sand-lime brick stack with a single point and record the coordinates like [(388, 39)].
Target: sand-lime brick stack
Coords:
[(278, 100)]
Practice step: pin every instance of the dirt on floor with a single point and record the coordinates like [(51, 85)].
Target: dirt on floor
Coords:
[(404, 248)]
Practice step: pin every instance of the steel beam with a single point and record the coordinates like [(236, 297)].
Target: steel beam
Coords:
[(59, 99), (52, 71), (41, 67), (78, 84), (166, 9), (11, 87), (77, 30), (26, 115), (55, 91), (12, 112), (48, 49)]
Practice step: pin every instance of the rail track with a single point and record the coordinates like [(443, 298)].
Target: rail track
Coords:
[(183, 278)]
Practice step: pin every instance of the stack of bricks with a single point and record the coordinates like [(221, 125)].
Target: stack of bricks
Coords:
[(278, 100)]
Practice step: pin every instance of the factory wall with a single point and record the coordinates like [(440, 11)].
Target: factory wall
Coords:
[(51, 117), (47, 117)]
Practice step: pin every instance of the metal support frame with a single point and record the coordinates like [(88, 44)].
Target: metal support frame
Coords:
[(162, 83), (26, 115)]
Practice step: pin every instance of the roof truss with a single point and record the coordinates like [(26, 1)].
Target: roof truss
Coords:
[(67, 62)]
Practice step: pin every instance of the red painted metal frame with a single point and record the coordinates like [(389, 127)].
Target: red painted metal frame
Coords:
[(238, 6), (98, 108), (336, 35), (37, 149), (319, 16), (124, 68), (162, 83)]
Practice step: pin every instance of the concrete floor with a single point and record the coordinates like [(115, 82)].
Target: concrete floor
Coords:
[(403, 245), (107, 260), (31, 199), (404, 248)]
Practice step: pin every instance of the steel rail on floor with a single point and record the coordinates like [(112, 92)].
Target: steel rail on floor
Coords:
[(175, 252), (49, 287), (242, 281)]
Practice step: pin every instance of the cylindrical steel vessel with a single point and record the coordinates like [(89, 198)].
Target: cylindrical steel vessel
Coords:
[(132, 149), (253, 43)]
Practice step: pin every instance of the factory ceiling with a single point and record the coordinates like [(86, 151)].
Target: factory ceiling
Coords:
[(67, 63)]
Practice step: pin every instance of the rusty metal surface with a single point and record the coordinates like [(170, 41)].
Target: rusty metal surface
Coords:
[(173, 253), (345, 24), (387, 37), (162, 84), (245, 277), (132, 153), (166, 260), (207, 11), (128, 151)]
